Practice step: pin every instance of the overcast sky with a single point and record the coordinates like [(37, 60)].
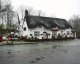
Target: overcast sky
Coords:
[(59, 8)]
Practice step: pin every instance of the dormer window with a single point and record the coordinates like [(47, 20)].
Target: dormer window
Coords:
[(40, 26)]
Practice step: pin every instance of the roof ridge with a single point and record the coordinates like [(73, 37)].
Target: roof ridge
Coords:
[(46, 17), (48, 22)]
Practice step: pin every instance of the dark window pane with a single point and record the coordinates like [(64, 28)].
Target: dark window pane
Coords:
[(24, 28)]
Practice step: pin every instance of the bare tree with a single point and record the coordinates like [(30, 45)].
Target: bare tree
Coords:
[(9, 15), (2, 14), (40, 13), (75, 23), (30, 10), (21, 11)]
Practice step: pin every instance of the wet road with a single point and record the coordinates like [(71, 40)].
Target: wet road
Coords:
[(58, 52)]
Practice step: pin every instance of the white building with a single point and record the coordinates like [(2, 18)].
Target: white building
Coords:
[(45, 27)]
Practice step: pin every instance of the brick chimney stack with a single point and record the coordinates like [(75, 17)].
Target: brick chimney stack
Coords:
[(26, 13)]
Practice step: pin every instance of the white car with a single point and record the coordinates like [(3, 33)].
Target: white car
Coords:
[(5, 38)]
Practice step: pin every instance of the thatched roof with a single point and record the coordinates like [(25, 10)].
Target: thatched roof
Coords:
[(47, 22)]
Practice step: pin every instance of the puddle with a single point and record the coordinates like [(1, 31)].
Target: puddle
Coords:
[(32, 61), (37, 59), (9, 52)]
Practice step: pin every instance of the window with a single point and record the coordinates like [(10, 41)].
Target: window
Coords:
[(30, 34), (71, 33), (24, 28), (40, 26), (36, 33), (54, 33), (62, 31), (68, 32)]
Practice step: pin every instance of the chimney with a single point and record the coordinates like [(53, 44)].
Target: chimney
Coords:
[(26, 13)]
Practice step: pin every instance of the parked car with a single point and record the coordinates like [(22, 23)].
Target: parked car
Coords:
[(12, 37), (1, 38), (5, 38)]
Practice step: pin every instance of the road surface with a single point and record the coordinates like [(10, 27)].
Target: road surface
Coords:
[(58, 52)]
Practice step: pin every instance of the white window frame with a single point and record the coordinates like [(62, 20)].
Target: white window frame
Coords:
[(36, 33), (68, 32)]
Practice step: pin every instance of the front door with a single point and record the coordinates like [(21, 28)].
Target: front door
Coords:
[(54, 34), (45, 35)]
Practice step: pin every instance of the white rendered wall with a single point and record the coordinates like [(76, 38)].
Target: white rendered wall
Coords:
[(31, 31), (25, 33), (62, 31)]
